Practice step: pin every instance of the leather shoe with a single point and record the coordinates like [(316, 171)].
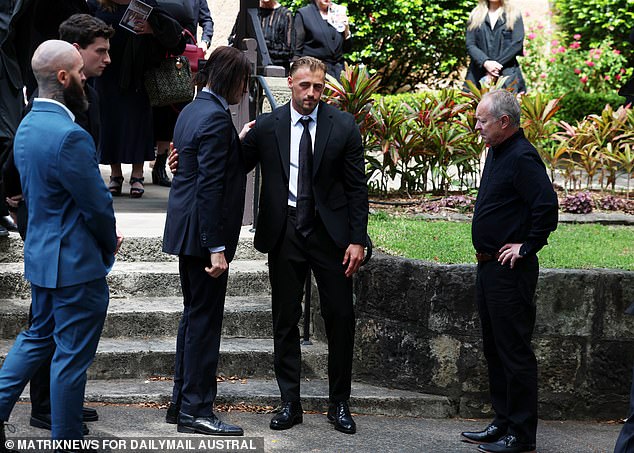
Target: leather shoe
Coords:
[(491, 433), (288, 416), (210, 425), (172, 414), (339, 414), (43, 421), (507, 444), (89, 414), (8, 223)]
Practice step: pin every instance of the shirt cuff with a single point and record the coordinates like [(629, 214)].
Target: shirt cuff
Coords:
[(220, 248)]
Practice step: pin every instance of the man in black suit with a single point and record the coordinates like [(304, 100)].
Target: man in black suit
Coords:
[(204, 217), (313, 214)]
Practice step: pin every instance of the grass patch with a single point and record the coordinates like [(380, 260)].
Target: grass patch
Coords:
[(571, 246)]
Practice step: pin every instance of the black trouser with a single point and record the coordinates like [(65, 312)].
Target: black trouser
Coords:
[(198, 342), (507, 314), (288, 265)]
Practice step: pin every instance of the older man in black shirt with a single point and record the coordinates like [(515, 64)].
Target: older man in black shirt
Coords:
[(515, 211)]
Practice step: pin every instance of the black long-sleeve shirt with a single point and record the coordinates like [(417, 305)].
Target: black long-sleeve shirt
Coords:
[(516, 202)]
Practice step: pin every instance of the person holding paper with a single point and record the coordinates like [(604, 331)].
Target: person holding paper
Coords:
[(322, 31)]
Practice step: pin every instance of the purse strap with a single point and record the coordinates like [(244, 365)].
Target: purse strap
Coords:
[(187, 32)]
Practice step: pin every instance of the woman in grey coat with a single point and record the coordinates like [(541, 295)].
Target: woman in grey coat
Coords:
[(495, 38)]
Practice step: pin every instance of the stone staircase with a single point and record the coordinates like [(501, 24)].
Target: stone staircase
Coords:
[(135, 357)]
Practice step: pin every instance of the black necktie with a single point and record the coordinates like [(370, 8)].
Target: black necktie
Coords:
[(305, 199)]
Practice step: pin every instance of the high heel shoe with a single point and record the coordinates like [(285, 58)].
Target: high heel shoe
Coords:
[(115, 185), (136, 192), (159, 175)]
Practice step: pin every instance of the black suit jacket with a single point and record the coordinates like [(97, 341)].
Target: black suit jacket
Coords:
[(314, 37), (206, 200), (339, 182)]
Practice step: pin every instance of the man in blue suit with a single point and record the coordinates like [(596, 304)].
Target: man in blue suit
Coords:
[(71, 242), (204, 216)]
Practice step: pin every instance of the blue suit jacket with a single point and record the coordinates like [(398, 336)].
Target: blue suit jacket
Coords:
[(72, 234), (206, 200)]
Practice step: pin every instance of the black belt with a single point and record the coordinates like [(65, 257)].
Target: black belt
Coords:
[(483, 257)]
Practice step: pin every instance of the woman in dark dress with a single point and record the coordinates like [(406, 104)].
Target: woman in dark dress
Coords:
[(126, 115), (315, 36), (495, 38)]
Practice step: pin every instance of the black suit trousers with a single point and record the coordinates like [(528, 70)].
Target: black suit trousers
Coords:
[(507, 314), (198, 341), (289, 262)]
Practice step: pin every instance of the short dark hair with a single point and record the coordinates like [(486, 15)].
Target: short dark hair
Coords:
[(312, 63), (224, 70), (83, 29)]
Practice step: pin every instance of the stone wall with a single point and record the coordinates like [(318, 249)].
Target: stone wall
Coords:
[(418, 329)]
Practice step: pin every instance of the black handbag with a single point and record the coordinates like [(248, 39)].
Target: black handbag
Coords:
[(170, 82)]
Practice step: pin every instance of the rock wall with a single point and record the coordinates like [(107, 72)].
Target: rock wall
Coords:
[(418, 329)]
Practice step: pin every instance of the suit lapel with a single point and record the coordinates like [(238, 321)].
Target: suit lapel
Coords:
[(283, 135), (326, 30), (324, 126)]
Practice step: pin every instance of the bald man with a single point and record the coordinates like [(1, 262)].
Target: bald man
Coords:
[(70, 246)]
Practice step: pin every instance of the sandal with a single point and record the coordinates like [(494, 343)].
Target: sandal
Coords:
[(136, 192), (115, 185)]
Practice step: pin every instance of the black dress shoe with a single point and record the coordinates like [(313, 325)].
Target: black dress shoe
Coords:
[(507, 444), (8, 223), (43, 421), (172, 414), (288, 416), (491, 433), (339, 414), (210, 425), (89, 414)]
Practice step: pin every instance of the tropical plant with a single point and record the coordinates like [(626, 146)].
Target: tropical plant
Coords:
[(354, 92)]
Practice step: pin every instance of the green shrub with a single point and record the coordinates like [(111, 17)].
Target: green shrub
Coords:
[(577, 105), (557, 65), (600, 19)]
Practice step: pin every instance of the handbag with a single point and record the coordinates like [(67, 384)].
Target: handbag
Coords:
[(170, 82), (192, 52)]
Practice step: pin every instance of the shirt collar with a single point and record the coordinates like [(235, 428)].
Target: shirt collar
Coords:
[(508, 142), (223, 101), (296, 116), (53, 101)]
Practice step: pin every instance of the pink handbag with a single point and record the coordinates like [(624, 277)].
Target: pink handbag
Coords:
[(192, 52)]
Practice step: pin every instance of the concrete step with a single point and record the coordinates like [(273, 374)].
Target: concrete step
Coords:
[(134, 248), (155, 316), (123, 358), (149, 279), (366, 399)]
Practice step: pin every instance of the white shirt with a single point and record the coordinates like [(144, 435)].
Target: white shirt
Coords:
[(53, 101), (297, 129), (493, 16)]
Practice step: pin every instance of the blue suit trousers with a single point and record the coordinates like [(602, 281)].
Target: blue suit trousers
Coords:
[(69, 319)]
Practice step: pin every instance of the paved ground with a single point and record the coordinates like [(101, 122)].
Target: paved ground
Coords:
[(375, 434)]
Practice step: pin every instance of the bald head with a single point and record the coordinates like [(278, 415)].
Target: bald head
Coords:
[(52, 62)]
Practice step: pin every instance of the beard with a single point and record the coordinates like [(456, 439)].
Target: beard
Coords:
[(75, 97)]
